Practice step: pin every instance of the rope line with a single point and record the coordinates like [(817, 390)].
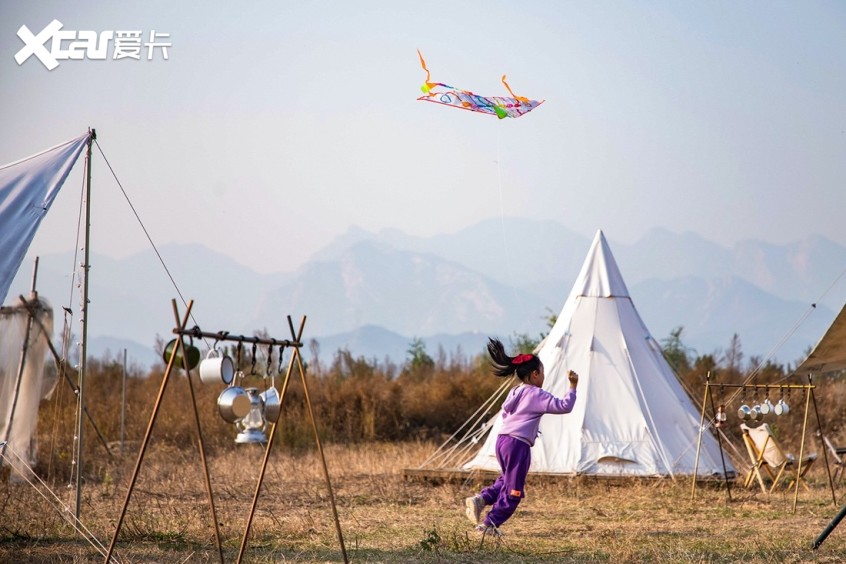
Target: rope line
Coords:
[(56, 503), (146, 233), (789, 334)]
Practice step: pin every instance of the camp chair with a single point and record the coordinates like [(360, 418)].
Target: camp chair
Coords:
[(765, 453), (837, 454)]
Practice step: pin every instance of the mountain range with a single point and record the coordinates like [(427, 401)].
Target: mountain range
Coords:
[(373, 293)]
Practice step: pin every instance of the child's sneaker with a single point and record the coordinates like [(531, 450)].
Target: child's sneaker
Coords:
[(485, 530), (473, 508)]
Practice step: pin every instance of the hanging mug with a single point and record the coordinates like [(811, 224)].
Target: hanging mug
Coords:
[(272, 404), (217, 368), (766, 407), (755, 414), (744, 412), (781, 408), (192, 353)]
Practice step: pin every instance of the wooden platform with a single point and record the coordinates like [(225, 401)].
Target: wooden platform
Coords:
[(460, 475), (442, 475)]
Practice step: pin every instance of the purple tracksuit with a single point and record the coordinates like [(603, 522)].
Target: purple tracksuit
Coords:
[(521, 415)]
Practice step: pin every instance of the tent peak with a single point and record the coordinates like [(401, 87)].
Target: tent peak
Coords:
[(600, 276)]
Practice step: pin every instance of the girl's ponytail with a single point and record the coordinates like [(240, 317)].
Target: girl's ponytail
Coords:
[(504, 365)]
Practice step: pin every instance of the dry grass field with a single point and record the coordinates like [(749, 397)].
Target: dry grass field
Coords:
[(387, 519)]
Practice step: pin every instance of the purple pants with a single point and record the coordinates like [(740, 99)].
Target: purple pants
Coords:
[(514, 457)]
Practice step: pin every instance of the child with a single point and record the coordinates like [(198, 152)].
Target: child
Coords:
[(521, 413)]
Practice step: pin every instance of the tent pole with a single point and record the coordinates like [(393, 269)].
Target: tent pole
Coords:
[(92, 135), (824, 449), (701, 425)]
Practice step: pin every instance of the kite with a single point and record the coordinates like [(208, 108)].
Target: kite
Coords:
[(498, 106)]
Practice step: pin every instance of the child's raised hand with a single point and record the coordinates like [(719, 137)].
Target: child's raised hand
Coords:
[(573, 378)]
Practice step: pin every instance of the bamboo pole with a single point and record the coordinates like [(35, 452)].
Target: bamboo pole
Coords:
[(200, 442), (268, 448), (701, 427), (802, 445), (322, 456)]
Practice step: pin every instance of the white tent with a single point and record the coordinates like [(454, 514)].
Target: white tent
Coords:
[(632, 416)]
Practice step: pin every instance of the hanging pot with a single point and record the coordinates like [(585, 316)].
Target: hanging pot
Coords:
[(233, 404), (192, 354), (272, 404)]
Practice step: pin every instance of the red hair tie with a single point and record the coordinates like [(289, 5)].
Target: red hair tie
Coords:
[(521, 358)]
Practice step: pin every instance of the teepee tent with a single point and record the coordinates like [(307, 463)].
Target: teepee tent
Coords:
[(632, 416)]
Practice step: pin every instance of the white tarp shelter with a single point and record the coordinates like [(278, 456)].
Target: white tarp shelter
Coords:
[(632, 416), (829, 354), (27, 190)]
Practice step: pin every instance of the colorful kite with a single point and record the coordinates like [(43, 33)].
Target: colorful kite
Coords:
[(500, 107)]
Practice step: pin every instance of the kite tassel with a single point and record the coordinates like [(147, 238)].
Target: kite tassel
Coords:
[(513, 95)]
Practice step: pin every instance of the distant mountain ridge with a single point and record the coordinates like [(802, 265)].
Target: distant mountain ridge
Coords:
[(372, 293)]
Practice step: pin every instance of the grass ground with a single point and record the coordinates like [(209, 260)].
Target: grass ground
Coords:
[(387, 519)]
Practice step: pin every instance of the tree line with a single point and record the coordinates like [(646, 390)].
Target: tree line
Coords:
[(355, 399)]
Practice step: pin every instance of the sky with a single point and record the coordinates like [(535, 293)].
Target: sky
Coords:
[(273, 127)]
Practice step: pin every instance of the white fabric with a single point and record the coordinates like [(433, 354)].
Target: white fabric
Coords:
[(27, 189), (765, 442), (19, 401), (632, 416)]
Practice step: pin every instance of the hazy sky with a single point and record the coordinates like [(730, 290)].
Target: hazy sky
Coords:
[(275, 126)]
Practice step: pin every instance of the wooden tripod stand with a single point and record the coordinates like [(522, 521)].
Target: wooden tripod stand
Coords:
[(179, 351)]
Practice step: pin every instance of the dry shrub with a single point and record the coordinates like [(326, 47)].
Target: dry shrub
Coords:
[(354, 400)]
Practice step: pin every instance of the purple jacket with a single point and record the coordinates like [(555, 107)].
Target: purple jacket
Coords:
[(524, 406)]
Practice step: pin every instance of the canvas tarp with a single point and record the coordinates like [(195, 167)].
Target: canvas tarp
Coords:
[(27, 189), (829, 354)]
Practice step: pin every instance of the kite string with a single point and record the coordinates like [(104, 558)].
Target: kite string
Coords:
[(505, 248), (501, 198)]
